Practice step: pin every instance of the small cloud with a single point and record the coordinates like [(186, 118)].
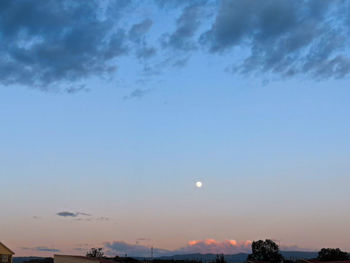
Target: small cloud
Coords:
[(137, 94), (138, 31), (146, 52), (41, 249), (180, 62), (66, 214), (187, 25), (76, 89), (46, 249), (83, 214), (102, 218), (72, 214)]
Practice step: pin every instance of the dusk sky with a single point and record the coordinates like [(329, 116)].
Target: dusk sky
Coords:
[(111, 111)]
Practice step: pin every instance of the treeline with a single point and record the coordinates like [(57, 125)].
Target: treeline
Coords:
[(262, 250), (268, 251)]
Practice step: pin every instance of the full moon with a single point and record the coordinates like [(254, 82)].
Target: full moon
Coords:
[(199, 184)]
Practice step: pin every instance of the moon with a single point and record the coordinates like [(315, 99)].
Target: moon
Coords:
[(199, 184)]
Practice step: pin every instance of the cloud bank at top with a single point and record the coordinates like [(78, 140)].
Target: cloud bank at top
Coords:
[(48, 43)]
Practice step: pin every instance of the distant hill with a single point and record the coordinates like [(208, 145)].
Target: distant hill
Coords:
[(299, 254), (238, 258), (24, 259), (205, 258)]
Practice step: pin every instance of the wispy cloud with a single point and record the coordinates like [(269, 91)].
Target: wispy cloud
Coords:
[(137, 94), (72, 214), (41, 249), (187, 25), (102, 218), (81, 216)]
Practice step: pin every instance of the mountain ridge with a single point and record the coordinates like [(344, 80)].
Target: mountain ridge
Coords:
[(206, 258), (235, 258)]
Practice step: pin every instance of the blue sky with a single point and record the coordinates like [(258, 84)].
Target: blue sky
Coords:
[(113, 111)]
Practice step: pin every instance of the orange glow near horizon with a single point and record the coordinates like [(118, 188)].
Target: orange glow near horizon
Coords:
[(192, 242), (233, 242)]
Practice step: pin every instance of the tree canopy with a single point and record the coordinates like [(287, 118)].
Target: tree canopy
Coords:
[(95, 253), (220, 258), (265, 251), (332, 254)]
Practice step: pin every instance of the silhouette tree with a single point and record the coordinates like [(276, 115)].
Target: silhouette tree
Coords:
[(220, 258), (332, 254), (265, 251), (95, 253)]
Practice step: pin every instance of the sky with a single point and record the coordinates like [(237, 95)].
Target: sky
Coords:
[(111, 111)]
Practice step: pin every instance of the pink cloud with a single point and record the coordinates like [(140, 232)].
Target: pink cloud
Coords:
[(205, 246), (209, 245)]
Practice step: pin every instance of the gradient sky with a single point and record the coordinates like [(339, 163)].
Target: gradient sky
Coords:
[(111, 111)]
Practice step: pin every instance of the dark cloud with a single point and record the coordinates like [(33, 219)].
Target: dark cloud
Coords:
[(45, 42), (283, 37), (187, 25), (72, 214), (67, 214), (137, 34), (181, 62), (76, 89), (80, 216), (54, 45), (170, 3), (146, 52), (138, 31)]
